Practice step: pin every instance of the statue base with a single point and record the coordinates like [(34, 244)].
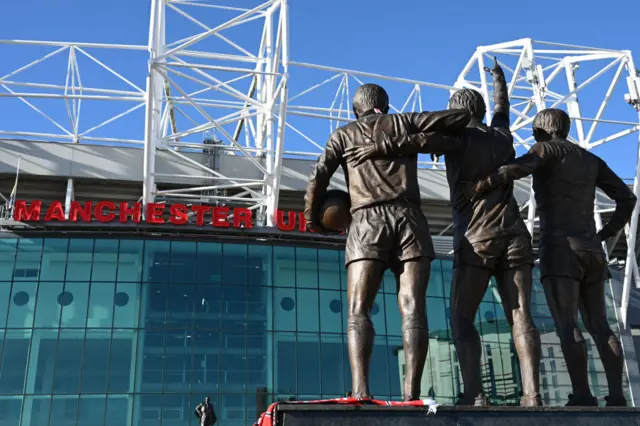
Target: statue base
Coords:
[(369, 415)]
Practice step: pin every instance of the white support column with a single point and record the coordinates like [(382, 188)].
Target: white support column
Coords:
[(69, 197), (276, 171), (267, 113), (154, 93), (572, 103), (633, 226), (538, 96)]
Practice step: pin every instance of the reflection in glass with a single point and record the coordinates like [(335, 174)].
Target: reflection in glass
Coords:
[(136, 332)]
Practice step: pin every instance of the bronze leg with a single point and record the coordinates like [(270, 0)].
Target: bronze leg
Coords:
[(594, 316), (363, 282), (514, 286), (563, 294), (467, 290), (413, 277)]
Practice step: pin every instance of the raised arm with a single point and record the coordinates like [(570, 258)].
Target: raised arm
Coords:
[(501, 105), (619, 192), (320, 177), (447, 121)]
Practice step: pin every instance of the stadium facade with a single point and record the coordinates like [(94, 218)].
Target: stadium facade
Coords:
[(111, 320), (154, 254)]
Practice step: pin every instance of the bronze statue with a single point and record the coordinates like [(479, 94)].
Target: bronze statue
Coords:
[(572, 261), (388, 229), (490, 237), (206, 413)]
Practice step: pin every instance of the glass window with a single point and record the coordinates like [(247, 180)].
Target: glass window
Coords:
[(117, 411), (101, 303), (234, 264), (156, 261), (95, 361), (306, 267), (54, 259), (7, 257), (37, 408), (234, 307), (51, 298), (331, 307), (284, 269), (79, 259), (437, 316), (5, 300), (329, 269), (307, 310), (380, 364), (64, 410), (207, 307), (309, 363), (91, 410), (209, 266), (127, 305), (105, 260), (28, 257), (10, 409), (22, 304), (233, 354), (259, 361), (74, 303), (69, 361), (180, 305), (130, 259), (285, 366), (15, 355), (332, 364), (284, 309), (447, 275), (436, 284), (259, 262), (120, 361), (183, 262)]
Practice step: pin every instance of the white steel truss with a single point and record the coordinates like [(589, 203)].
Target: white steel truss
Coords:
[(222, 76)]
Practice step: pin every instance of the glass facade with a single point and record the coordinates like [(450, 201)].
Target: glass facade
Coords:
[(120, 332)]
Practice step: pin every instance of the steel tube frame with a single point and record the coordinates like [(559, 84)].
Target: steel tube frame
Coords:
[(267, 109)]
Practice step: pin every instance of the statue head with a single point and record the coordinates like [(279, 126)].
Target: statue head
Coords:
[(368, 97), (551, 124), (471, 100), (207, 400)]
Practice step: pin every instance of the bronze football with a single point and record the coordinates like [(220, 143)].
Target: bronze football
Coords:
[(334, 214)]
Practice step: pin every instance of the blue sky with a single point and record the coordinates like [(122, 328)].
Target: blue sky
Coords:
[(418, 39)]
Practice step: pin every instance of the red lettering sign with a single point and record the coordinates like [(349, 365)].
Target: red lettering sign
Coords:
[(156, 213)]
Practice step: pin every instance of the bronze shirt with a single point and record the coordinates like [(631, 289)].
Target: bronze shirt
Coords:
[(382, 180)]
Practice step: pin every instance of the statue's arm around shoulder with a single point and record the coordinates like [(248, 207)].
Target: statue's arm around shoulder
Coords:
[(618, 191), (320, 177), (447, 121), (421, 143)]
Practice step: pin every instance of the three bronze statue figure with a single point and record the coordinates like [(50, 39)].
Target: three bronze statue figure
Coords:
[(378, 153)]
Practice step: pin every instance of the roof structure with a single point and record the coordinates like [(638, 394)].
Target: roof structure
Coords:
[(211, 115)]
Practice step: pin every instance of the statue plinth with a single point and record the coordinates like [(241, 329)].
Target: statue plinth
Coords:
[(332, 415)]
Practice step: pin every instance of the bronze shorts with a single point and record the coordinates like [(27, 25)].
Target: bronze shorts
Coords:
[(389, 233), (584, 266), (497, 254)]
